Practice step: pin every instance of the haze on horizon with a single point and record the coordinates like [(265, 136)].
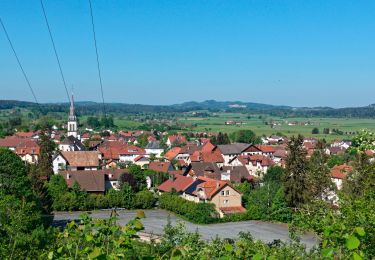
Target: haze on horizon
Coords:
[(296, 53)]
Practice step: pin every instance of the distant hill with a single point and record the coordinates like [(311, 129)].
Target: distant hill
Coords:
[(213, 104), (90, 108)]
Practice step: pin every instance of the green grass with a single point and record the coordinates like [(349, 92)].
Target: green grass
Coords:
[(217, 124)]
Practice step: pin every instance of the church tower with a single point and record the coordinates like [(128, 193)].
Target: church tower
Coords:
[(72, 121)]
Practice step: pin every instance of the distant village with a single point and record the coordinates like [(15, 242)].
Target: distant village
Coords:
[(198, 170)]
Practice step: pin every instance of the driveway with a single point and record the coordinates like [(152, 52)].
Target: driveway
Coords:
[(156, 220)]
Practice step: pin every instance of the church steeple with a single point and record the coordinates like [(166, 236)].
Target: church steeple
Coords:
[(72, 116), (72, 120)]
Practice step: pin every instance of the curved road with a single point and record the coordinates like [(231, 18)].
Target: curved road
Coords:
[(156, 220)]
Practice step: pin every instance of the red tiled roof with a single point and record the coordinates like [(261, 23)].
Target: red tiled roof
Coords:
[(24, 134), (28, 150), (177, 139), (341, 171), (140, 157), (91, 181), (211, 186), (81, 158), (171, 154), (179, 183), (112, 150), (159, 166), (247, 159), (266, 148)]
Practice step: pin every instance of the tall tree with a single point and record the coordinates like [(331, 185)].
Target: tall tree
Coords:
[(42, 172), (13, 176), (319, 173), (47, 148), (295, 178)]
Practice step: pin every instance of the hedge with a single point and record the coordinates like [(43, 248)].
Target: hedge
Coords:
[(201, 213)]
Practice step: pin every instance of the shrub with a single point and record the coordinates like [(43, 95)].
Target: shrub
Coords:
[(202, 213), (144, 200)]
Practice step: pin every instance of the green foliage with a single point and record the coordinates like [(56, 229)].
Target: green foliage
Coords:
[(274, 174), (365, 140), (295, 179), (144, 200), (142, 140), (315, 131), (335, 160), (222, 138), (13, 175), (245, 136), (93, 122), (268, 203), (140, 178), (202, 213), (100, 239), (319, 175)]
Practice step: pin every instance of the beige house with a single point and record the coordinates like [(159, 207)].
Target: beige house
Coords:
[(227, 200)]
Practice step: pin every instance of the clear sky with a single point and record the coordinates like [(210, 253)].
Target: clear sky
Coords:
[(299, 53)]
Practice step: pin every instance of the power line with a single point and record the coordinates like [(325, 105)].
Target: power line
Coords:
[(54, 48), (97, 58), (19, 63)]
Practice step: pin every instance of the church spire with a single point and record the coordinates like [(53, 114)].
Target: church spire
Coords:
[(72, 116), (72, 120)]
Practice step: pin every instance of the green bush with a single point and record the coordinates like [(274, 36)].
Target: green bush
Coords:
[(144, 200), (202, 213)]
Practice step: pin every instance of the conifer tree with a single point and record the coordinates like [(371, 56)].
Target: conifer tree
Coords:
[(295, 178), (319, 174)]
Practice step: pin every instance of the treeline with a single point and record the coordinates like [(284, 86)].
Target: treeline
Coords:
[(93, 108)]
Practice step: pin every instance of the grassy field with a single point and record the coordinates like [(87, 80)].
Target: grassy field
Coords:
[(261, 125), (215, 122)]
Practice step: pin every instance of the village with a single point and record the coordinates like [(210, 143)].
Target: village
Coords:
[(193, 168)]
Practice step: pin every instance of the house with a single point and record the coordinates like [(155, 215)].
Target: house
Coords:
[(27, 149), (226, 199), (235, 174), (229, 151), (280, 156), (71, 143), (177, 183), (209, 170), (161, 166), (176, 140), (154, 148), (28, 135), (119, 151), (89, 181), (266, 150), (142, 161), (172, 154), (339, 173), (76, 161), (208, 153), (12, 142), (129, 153), (256, 164), (28, 154)]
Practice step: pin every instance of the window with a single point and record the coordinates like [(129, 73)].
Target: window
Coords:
[(227, 192), (226, 201), (222, 193)]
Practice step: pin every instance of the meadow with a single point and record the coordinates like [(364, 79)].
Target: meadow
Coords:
[(262, 125)]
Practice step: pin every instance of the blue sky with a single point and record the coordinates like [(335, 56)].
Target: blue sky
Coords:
[(299, 53)]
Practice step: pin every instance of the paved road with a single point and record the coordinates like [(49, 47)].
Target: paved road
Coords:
[(156, 220)]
